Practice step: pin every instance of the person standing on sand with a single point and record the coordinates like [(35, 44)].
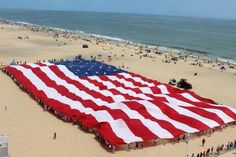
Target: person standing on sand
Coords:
[(129, 147), (203, 141), (208, 151), (136, 145), (212, 149), (204, 154), (141, 145), (201, 154), (113, 149), (55, 135)]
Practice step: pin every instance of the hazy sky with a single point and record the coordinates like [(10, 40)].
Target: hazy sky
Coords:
[(199, 8)]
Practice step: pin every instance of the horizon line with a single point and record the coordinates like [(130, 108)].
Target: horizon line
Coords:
[(117, 12)]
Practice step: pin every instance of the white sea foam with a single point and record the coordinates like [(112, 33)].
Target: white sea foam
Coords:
[(58, 29), (79, 32), (24, 23), (109, 38), (227, 60), (168, 49)]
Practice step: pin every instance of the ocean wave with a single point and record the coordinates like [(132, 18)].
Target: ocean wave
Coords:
[(109, 37), (59, 29), (169, 49), (79, 32), (227, 60), (25, 23)]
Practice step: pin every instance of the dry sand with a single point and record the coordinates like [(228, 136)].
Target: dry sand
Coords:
[(230, 154), (31, 129)]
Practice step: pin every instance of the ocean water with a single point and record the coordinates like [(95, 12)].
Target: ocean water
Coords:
[(211, 37)]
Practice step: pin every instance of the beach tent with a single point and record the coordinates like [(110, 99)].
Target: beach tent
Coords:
[(222, 68)]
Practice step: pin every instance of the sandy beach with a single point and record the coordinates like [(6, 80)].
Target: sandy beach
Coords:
[(31, 129)]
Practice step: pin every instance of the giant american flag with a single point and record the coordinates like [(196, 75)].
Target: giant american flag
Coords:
[(123, 106)]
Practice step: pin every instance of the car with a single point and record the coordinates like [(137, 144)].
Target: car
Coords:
[(184, 84)]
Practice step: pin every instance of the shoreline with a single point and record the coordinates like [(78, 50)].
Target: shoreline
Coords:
[(114, 40), (147, 51)]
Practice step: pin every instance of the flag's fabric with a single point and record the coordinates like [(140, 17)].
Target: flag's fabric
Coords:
[(123, 106)]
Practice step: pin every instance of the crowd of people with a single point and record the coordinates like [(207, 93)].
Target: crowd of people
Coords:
[(220, 149), (56, 34)]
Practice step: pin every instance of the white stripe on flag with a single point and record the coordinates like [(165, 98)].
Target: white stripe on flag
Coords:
[(137, 79)]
